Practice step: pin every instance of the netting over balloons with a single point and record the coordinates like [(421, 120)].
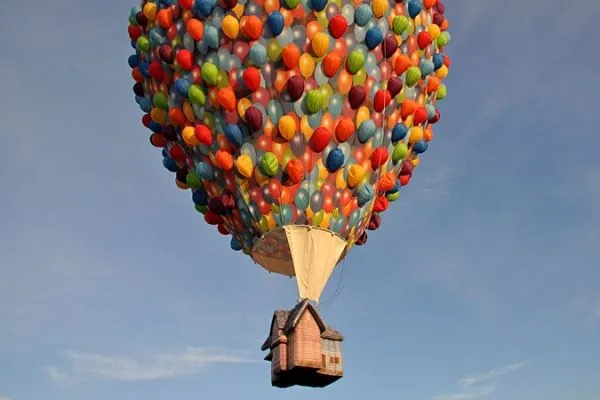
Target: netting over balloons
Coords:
[(290, 112)]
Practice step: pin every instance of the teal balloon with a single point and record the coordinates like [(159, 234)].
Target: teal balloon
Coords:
[(354, 218), (302, 199), (362, 15), (274, 111), (285, 215), (366, 130), (339, 224), (258, 55), (336, 104)]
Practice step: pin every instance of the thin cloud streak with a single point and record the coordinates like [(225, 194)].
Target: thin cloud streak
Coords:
[(93, 366), (479, 386)]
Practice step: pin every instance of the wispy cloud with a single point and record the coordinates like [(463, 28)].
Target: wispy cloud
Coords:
[(479, 386), (92, 366)]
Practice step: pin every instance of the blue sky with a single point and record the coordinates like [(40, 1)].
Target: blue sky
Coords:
[(483, 282)]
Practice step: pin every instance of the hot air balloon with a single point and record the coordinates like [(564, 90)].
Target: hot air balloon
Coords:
[(294, 124)]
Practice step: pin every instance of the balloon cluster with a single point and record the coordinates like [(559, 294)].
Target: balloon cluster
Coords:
[(277, 112)]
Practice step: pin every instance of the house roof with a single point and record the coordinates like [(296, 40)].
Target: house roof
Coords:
[(287, 321)]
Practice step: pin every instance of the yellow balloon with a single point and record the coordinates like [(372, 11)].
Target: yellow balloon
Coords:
[(434, 31), (244, 165), (305, 128), (362, 115), (319, 184), (416, 134), (323, 173), (287, 127), (356, 174), (238, 10), (158, 115), (325, 221), (150, 11), (442, 72), (340, 182), (230, 26), (415, 161), (242, 106), (418, 20), (309, 213), (189, 136), (320, 44), (379, 7), (306, 65), (327, 92)]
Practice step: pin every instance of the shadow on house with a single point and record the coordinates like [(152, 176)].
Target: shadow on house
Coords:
[(303, 351)]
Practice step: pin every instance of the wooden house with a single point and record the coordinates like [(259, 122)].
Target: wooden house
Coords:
[(303, 350)]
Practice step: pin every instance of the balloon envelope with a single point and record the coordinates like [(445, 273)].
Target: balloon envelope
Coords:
[(292, 122)]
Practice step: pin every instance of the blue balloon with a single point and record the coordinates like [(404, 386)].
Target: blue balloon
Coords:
[(235, 244), (170, 164), (200, 197), (182, 86), (145, 104), (335, 160), (373, 38), (205, 7), (318, 5), (420, 147), (438, 60), (205, 171), (133, 61), (234, 134), (275, 23), (399, 132), (143, 67), (414, 8), (155, 127)]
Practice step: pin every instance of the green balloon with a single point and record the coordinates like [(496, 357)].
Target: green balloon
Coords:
[(399, 24), (143, 44), (441, 92), (193, 180), (292, 4), (160, 100), (443, 39), (210, 73), (201, 209), (413, 76), (196, 95), (314, 101), (274, 50), (269, 164), (318, 217), (400, 151), (355, 62), (393, 196), (132, 20)]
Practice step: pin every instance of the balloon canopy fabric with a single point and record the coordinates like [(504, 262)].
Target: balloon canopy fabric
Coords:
[(294, 123)]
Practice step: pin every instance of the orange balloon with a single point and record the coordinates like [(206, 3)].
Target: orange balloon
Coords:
[(428, 133), (312, 28), (226, 98), (290, 55), (195, 28), (271, 5), (331, 64), (344, 82), (328, 122)]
